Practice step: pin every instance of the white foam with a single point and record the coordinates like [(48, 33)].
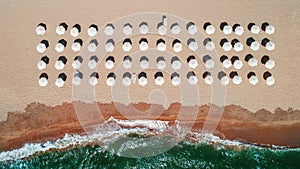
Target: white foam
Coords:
[(93, 81), (41, 65), (40, 30), (253, 80), (60, 30), (127, 64), (192, 29), (210, 29), (193, 63), (126, 47), (177, 47), (109, 47), (239, 30), (270, 81), (41, 48), (141, 127), (227, 46), (176, 65), (255, 46), (74, 32), (210, 46), (238, 64), (142, 81), (59, 82), (238, 46), (224, 80), (192, 80), (161, 47), (161, 64), (92, 31), (227, 30), (159, 81), (176, 81), (92, 64), (59, 65), (110, 81), (144, 29), (144, 64), (226, 63), (255, 29), (143, 46), (193, 46), (76, 64), (43, 82), (208, 79), (92, 47), (126, 81), (76, 81), (76, 47), (108, 30), (270, 29), (237, 80), (270, 46), (176, 30), (270, 64), (127, 30), (209, 64), (252, 62)]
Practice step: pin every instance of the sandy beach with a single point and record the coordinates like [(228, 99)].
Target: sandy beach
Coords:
[(260, 114), (279, 128)]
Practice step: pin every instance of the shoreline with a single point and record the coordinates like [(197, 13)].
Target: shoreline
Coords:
[(40, 123)]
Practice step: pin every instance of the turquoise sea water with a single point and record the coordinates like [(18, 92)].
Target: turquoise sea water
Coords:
[(184, 155)]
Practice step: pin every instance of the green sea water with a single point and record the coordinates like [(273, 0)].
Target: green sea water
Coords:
[(184, 155)]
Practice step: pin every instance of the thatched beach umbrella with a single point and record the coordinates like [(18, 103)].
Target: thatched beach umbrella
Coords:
[(42, 63), (225, 61), (238, 29), (77, 62), (61, 79), (42, 46), (192, 79), (93, 80), (252, 62), (225, 28), (93, 62), (92, 30), (176, 63), (253, 28), (127, 62), (209, 28), (111, 79), (43, 80), (61, 28), (175, 78), (192, 61), (142, 79), (75, 30), (61, 63), (41, 29), (159, 78), (144, 62)]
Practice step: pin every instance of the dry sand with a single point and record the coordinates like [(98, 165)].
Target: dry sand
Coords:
[(19, 74)]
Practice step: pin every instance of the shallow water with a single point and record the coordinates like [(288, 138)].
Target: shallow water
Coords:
[(206, 151), (184, 155)]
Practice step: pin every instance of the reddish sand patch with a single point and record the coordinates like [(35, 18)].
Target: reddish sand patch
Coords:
[(40, 123)]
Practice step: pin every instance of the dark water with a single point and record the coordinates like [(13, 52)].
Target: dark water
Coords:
[(184, 155)]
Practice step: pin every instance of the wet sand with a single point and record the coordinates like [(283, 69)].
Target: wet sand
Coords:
[(42, 123), (253, 118)]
